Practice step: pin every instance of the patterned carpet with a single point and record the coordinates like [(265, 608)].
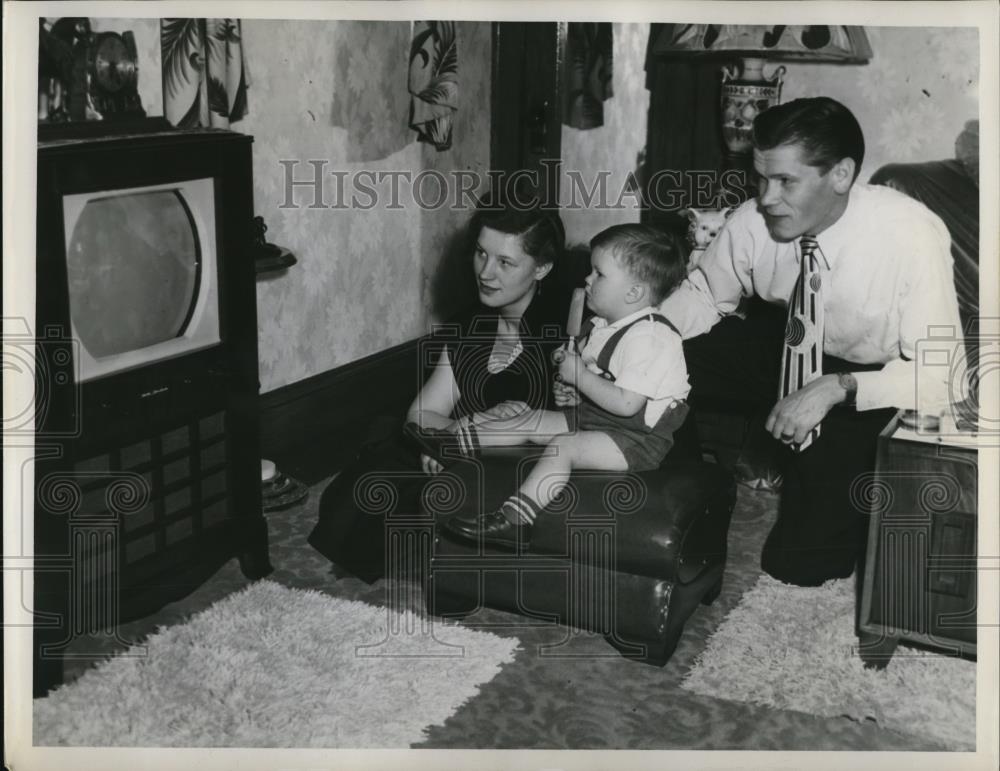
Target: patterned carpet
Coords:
[(598, 701)]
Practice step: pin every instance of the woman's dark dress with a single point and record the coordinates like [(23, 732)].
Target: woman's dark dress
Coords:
[(385, 478)]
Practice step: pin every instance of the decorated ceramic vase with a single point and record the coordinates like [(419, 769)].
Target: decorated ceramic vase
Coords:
[(744, 97)]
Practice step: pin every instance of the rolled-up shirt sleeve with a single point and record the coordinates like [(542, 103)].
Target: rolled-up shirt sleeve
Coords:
[(888, 294), (927, 375), (714, 288)]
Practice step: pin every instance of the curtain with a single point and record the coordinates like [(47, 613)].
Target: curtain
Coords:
[(433, 81), (587, 69), (204, 78), (683, 134)]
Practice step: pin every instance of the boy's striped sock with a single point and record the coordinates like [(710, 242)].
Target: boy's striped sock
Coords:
[(468, 438), (520, 509)]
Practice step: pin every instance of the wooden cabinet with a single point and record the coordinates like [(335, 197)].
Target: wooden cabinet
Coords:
[(919, 583), (147, 472)]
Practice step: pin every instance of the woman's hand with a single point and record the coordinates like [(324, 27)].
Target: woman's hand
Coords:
[(501, 411), (565, 396), (430, 466)]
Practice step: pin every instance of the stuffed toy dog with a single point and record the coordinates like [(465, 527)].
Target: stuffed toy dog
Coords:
[(703, 226)]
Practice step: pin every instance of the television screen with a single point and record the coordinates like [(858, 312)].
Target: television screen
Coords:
[(134, 265), (140, 266)]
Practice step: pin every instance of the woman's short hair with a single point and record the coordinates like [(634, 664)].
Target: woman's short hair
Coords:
[(543, 236), (650, 255), (825, 129)]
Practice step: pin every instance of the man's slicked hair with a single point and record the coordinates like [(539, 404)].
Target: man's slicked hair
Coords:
[(825, 130)]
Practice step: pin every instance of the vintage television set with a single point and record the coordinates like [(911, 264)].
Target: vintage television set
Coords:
[(147, 472)]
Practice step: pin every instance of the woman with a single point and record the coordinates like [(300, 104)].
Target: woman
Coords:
[(494, 361)]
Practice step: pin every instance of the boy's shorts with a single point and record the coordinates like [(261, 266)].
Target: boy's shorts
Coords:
[(644, 448)]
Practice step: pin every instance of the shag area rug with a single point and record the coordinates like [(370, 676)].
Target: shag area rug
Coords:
[(794, 648), (276, 667)]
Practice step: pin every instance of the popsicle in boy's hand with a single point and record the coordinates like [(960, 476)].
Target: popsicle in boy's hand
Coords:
[(573, 324)]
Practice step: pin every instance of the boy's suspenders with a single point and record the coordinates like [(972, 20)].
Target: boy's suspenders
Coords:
[(604, 357)]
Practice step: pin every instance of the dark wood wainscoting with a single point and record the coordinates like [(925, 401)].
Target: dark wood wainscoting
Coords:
[(312, 427)]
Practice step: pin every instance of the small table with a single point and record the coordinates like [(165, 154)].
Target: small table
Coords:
[(919, 583)]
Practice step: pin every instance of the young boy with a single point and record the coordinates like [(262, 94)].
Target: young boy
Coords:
[(628, 382)]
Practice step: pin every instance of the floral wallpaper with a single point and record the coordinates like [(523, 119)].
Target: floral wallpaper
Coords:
[(364, 105), (336, 92), (615, 146), (912, 99)]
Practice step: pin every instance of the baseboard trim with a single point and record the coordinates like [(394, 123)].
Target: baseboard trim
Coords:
[(328, 413)]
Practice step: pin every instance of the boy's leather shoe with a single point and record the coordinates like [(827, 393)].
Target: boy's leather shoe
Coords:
[(434, 442), (492, 527)]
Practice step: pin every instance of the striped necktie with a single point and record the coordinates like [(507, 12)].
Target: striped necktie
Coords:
[(803, 358)]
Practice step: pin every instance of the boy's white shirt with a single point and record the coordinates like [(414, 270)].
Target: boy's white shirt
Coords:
[(649, 360)]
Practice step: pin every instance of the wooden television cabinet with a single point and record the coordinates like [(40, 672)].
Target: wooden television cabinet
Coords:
[(147, 479), (920, 569)]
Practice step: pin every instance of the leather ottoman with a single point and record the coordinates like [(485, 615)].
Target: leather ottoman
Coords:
[(628, 556)]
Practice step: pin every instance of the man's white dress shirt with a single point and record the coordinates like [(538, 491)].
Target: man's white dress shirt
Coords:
[(887, 286)]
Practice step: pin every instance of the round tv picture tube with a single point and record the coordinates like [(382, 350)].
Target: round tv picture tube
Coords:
[(134, 268)]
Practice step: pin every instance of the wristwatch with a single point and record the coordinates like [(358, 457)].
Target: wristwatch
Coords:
[(849, 383)]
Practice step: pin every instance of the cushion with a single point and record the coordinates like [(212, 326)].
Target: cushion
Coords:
[(657, 516)]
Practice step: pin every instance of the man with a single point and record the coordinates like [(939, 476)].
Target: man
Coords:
[(864, 272)]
